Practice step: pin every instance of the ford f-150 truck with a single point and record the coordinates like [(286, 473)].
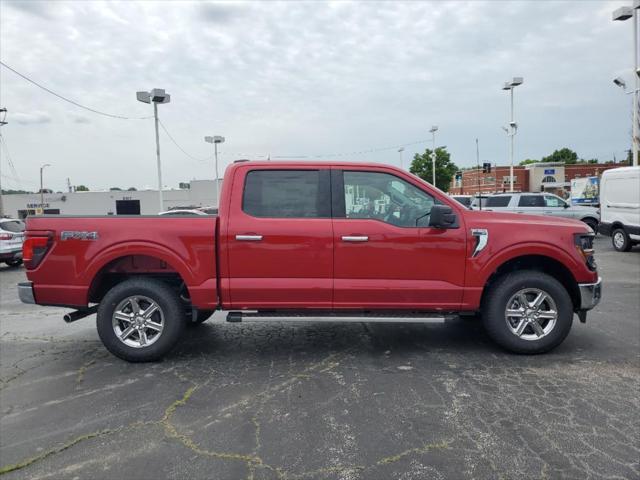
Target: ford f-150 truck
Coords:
[(326, 241)]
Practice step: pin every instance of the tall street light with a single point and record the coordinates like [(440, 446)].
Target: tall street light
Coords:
[(156, 96), (433, 131), (41, 187), (633, 13), (216, 139), (400, 150), (512, 124)]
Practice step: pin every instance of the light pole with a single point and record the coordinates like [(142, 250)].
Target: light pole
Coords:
[(41, 187), (433, 131), (512, 124), (156, 96), (400, 150), (621, 14), (216, 139)]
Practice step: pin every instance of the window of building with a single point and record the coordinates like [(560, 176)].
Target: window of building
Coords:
[(549, 179), (287, 194)]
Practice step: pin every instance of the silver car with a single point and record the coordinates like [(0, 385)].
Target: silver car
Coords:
[(542, 204), (11, 238)]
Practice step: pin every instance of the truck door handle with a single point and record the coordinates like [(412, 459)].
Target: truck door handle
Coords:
[(355, 238), (249, 238)]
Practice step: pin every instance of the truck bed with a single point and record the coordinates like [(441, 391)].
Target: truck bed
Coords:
[(87, 252)]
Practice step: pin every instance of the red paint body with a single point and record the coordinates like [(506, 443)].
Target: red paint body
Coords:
[(300, 263)]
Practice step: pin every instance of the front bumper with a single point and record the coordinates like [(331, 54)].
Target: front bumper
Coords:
[(25, 292), (590, 294)]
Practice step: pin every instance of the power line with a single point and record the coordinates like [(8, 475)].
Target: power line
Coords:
[(201, 160), (3, 141), (69, 100)]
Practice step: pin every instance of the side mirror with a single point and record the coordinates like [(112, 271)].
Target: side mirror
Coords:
[(566, 205), (442, 216)]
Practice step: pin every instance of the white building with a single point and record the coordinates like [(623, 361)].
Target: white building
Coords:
[(201, 193)]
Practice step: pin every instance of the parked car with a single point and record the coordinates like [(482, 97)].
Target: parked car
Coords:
[(463, 199), (183, 211), (479, 202), (11, 238), (620, 206), (325, 241), (542, 204)]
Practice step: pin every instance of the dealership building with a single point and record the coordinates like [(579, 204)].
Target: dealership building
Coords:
[(196, 193), (535, 177)]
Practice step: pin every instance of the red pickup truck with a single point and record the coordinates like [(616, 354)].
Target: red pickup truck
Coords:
[(329, 241)]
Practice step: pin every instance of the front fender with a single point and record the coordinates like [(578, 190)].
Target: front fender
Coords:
[(482, 267)]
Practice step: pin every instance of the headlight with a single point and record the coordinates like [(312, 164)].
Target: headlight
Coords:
[(584, 245)]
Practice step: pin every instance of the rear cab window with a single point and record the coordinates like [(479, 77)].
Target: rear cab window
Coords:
[(501, 201), (287, 194)]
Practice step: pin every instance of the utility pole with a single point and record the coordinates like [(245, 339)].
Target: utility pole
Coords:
[(41, 187), (2, 122), (156, 96), (632, 13), (512, 124), (433, 131), (400, 150)]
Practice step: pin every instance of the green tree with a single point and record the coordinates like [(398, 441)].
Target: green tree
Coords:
[(115, 189), (528, 161), (132, 189), (81, 188), (565, 155), (445, 168)]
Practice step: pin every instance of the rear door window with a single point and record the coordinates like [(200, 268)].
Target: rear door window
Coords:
[(531, 201), (501, 201), (287, 194)]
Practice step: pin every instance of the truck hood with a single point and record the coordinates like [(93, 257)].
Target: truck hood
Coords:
[(537, 223)]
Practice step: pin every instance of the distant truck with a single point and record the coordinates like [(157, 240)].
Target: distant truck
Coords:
[(325, 241), (620, 205), (584, 191)]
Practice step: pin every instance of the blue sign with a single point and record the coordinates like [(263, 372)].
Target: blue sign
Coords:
[(550, 171)]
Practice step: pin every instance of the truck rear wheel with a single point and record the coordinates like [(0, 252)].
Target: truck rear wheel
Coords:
[(527, 312), (140, 320)]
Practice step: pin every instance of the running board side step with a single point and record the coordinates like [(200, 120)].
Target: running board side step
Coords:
[(409, 317)]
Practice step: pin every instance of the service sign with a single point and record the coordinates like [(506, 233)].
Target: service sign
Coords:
[(550, 171)]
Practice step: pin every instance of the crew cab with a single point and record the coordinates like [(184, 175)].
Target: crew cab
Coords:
[(319, 241), (542, 204)]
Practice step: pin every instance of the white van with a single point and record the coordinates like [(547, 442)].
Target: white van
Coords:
[(620, 206)]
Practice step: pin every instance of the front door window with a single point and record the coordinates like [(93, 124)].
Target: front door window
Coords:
[(385, 197)]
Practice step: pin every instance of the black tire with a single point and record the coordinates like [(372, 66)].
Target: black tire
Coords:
[(501, 294), (14, 263), (620, 240), (201, 316), (171, 313), (592, 223)]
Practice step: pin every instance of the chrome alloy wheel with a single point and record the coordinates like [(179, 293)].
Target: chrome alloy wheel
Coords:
[(138, 321), (531, 314), (618, 240)]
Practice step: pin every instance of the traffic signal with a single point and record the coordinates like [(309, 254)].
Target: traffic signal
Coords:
[(486, 167)]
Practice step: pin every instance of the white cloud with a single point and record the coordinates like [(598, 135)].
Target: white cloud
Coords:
[(31, 118), (308, 78)]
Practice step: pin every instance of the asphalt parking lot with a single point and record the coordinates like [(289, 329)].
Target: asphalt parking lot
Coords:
[(324, 401)]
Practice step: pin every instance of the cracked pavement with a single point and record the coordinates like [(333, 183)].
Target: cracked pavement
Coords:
[(324, 401)]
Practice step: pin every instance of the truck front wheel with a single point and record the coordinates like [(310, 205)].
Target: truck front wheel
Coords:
[(527, 312), (140, 320)]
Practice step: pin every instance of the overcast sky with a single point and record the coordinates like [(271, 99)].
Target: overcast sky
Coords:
[(304, 78)]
